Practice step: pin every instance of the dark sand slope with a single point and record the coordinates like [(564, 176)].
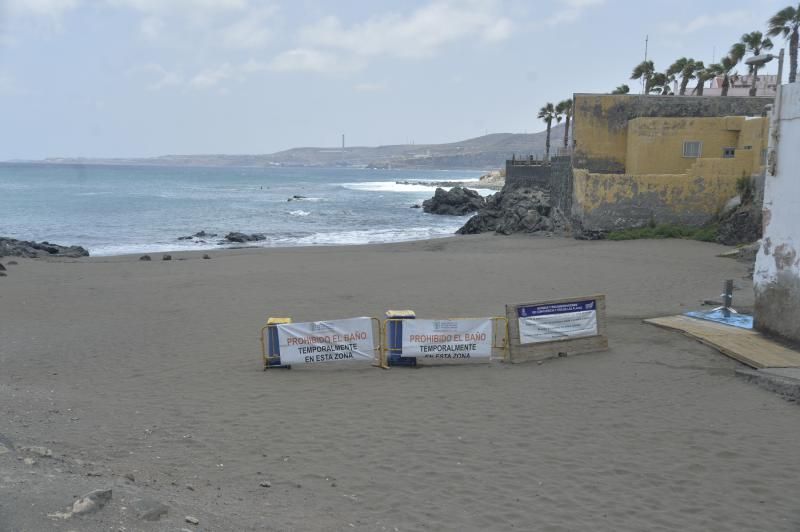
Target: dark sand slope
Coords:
[(152, 368)]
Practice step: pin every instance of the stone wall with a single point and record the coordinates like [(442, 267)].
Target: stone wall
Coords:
[(526, 173), (561, 184), (777, 274), (600, 123)]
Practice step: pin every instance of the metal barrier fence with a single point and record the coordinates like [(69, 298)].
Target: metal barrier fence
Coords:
[(389, 348)]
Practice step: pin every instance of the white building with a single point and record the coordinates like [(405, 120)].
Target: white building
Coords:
[(777, 274), (740, 86)]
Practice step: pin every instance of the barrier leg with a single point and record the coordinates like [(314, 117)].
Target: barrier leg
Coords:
[(394, 338), (272, 356)]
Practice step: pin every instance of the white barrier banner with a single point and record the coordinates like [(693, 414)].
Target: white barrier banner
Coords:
[(557, 321), (326, 341), (447, 339)]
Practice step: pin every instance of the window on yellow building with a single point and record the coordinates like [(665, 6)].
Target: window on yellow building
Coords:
[(728, 153), (692, 148)]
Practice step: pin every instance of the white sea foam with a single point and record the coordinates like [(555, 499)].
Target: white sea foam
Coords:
[(387, 186), (409, 186), (299, 212)]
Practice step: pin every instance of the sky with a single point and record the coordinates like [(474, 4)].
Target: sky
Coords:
[(140, 78)]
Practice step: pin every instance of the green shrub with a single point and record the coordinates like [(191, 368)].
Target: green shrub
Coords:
[(706, 234), (745, 188)]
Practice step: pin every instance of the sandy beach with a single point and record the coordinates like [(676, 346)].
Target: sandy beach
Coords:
[(146, 377)]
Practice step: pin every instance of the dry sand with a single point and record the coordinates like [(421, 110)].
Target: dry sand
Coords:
[(152, 369)]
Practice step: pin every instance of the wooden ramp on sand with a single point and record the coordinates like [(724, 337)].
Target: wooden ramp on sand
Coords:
[(745, 345)]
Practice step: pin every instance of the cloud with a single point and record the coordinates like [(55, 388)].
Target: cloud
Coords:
[(212, 77), (160, 76), (571, 10), (186, 7), (329, 45), (421, 33), (702, 22), (311, 60), (151, 27), (249, 31), (8, 85), (53, 9), (369, 87)]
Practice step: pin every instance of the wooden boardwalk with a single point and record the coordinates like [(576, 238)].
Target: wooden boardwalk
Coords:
[(745, 345)]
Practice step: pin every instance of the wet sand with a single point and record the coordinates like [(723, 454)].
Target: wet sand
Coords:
[(152, 370)]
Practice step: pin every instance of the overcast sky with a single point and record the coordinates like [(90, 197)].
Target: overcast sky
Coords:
[(108, 78)]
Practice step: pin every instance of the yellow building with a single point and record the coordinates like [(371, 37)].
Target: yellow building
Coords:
[(670, 159)]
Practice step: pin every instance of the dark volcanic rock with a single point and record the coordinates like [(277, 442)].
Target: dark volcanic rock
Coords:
[(742, 225), (458, 201), (166, 257), (10, 247), (515, 211), (242, 237), (145, 257)]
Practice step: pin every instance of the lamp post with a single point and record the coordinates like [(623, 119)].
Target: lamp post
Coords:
[(761, 60)]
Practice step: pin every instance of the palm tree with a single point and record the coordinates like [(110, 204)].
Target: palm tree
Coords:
[(687, 68), (786, 22), (644, 71), (724, 68), (548, 113), (755, 43), (703, 74), (621, 89), (564, 107), (659, 83)]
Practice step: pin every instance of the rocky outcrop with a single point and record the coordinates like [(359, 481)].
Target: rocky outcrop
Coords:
[(10, 247), (516, 211), (741, 225), (457, 201), (242, 237)]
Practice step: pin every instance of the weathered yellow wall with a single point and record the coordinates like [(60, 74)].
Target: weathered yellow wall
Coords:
[(644, 135), (755, 133), (613, 201), (655, 145), (595, 136)]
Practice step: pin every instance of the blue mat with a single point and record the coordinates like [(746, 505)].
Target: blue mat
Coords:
[(742, 321)]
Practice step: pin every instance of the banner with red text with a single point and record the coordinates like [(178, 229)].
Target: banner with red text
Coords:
[(317, 342), (448, 340)]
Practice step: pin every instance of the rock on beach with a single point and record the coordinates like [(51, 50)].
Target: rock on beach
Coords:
[(457, 201), (11, 247)]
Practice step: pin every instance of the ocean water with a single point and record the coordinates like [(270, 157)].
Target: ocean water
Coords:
[(113, 210)]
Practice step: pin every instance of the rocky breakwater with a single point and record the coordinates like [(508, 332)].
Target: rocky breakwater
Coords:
[(518, 210), (457, 201), (10, 247)]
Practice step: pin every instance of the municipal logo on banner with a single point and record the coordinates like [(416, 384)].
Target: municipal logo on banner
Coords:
[(447, 339), (318, 342), (557, 321)]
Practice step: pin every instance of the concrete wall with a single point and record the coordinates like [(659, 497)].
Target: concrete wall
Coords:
[(600, 122), (607, 202), (777, 274)]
